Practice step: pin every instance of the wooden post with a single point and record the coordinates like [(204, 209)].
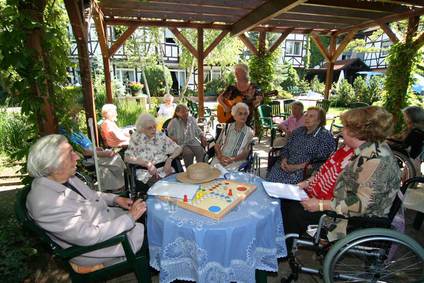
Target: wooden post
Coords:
[(200, 74), (330, 68), (79, 28)]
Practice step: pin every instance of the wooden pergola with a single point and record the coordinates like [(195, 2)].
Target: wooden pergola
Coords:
[(338, 19)]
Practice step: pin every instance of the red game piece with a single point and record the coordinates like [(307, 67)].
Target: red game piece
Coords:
[(230, 192), (185, 198)]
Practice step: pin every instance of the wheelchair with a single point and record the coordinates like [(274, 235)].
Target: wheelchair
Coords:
[(364, 255)]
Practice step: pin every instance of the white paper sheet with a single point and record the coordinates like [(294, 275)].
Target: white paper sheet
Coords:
[(285, 191), (173, 189)]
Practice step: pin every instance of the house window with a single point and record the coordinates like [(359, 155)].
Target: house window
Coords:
[(385, 45), (294, 48)]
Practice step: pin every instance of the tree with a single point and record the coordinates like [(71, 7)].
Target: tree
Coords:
[(33, 59)]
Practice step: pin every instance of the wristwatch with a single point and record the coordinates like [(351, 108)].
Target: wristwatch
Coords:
[(321, 205)]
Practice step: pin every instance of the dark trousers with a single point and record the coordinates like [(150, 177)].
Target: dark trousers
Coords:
[(296, 219)]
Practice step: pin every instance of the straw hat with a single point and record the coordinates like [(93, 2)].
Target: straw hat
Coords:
[(198, 173)]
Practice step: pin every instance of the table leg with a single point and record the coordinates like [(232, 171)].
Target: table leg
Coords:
[(418, 221), (260, 276)]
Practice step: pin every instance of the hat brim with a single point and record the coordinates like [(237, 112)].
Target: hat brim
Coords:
[(183, 177)]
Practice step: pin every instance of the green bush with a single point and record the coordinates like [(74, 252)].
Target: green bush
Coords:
[(317, 86), (128, 112), (17, 135), (155, 78), (290, 78), (343, 94), (215, 87)]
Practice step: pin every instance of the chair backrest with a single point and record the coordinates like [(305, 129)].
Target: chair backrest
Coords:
[(397, 203), (264, 111), (165, 126), (286, 106), (276, 108), (324, 104), (193, 108)]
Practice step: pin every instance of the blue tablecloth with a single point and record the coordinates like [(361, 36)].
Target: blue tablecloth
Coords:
[(187, 246)]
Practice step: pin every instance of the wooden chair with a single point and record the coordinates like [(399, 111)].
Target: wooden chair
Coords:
[(287, 107), (137, 263)]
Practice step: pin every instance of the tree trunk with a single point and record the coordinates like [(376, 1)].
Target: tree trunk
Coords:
[(46, 119)]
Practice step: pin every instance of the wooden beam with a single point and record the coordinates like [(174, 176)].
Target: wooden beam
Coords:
[(328, 79), (185, 42), (102, 38), (248, 43), (419, 41), (413, 23), (261, 44), (263, 13), (277, 43), (371, 6), (84, 63), (320, 46), (118, 43), (388, 31), (200, 73), (343, 45), (217, 40)]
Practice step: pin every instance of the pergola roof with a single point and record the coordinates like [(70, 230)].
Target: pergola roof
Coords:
[(238, 16)]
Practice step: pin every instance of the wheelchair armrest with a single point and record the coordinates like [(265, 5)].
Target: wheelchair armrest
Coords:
[(75, 251)]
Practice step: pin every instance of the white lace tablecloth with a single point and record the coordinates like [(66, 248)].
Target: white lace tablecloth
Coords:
[(187, 246)]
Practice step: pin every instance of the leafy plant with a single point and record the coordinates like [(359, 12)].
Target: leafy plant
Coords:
[(155, 76), (135, 86), (343, 94), (263, 70), (214, 87), (317, 86)]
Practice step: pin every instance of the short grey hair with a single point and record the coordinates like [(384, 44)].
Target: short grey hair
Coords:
[(142, 120), (239, 106), (106, 109), (43, 157), (416, 115), (297, 103), (168, 96)]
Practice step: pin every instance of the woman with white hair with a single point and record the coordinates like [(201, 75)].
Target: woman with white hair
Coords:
[(112, 135), (233, 144), (72, 213), (242, 91), (167, 109), (151, 150)]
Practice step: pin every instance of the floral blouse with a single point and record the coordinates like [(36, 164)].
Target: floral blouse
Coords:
[(155, 150), (367, 185)]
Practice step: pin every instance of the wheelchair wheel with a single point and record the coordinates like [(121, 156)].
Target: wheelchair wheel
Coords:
[(375, 255), (406, 166)]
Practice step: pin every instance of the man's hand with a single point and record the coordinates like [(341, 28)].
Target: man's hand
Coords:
[(168, 166), (137, 209), (203, 141), (125, 203), (225, 160)]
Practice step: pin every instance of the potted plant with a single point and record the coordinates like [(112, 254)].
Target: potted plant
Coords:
[(135, 87)]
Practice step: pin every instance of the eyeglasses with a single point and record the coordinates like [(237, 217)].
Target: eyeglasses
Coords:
[(150, 128)]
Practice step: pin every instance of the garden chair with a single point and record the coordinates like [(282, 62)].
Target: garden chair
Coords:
[(137, 263), (287, 107), (265, 119)]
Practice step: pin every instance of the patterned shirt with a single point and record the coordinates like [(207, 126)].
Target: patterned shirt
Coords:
[(186, 133), (292, 123), (367, 185), (155, 150), (302, 147), (233, 141)]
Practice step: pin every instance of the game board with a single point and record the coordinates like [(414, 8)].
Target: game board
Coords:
[(215, 199)]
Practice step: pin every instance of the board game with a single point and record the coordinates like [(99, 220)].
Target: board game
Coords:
[(215, 199)]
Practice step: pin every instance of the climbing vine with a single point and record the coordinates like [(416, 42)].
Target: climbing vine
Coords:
[(263, 70)]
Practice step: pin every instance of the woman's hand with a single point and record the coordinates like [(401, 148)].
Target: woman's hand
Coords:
[(137, 209), (152, 169), (168, 166), (289, 167), (225, 160), (310, 204), (125, 203), (303, 184), (203, 141)]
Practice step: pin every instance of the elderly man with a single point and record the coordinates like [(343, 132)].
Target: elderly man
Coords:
[(73, 214)]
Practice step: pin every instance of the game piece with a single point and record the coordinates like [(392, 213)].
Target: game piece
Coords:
[(230, 192), (185, 198)]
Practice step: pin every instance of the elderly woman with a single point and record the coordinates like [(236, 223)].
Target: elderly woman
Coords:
[(148, 148), (296, 120), (412, 138), (310, 142), (242, 91), (112, 135), (167, 109), (369, 182), (233, 144), (71, 212), (184, 130)]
